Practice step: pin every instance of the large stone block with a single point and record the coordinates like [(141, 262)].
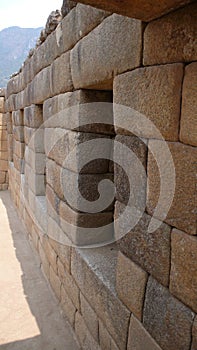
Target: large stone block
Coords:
[(34, 138), (68, 307), (89, 317), (18, 118), (183, 275), (59, 145), (151, 250), (40, 87), (36, 182), (61, 80), (94, 272), (19, 149), (63, 252), (37, 161), (2, 177), (131, 284), (139, 338), (81, 110), (83, 334), (96, 58), (78, 23), (172, 38), (188, 131), (155, 93), (3, 155), (53, 178), (3, 134), (2, 119), (106, 342), (55, 282), (33, 116), (18, 133), (53, 203), (182, 212), (2, 100), (19, 164), (3, 165), (167, 320), (133, 176)]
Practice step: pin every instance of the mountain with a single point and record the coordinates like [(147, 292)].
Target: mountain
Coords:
[(15, 43)]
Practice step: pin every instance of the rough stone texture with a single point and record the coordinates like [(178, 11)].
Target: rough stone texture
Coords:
[(37, 161), (18, 118), (121, 180), (55, 282), (67, 7), (2, 99), (63, 252), (18, 133), (89, 317), (194, 335), (106, 342), (33, 116), (167, 320), (75, 109), (61, 80), (188, 131), (78, 23), (40, 87), (68, 307), (183, 275), (58, 145), (182, 213), (19, 149), (172, 38), (155, 92), (144, 10), (101, 52), (139, 338), (95, 278), (150, 250), (130, 284), (85, 339)]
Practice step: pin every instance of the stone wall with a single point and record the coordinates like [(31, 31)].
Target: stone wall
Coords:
[(139, 292), (3, 145)]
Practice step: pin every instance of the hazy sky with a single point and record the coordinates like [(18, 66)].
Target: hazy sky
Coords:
[(26, 13)]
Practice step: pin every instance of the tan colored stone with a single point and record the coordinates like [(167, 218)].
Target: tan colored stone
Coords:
[(188, 131), (37, 161), (2, 119), (155, 92), (68, 307), (18, 163), (18, 118), (2, 99), (10, 147), (63, 252), (2, 177), (34, 138), (40, 88), (55, 282), (53, 177), (78, 23), (172, 38), (194, 335), (182, 213), (50, 253), (94, 272), (3, 165), (150, 250), (96, 58), (183, 275), (131, 284), (89, 317), (19, 149), (3, 135), (44, 261), (3, 146), (52, 204), (85, 339), (33, 116), (36, 182), (3, 155), (106, 342), (139, 338), (69, 284), (18, 133), (142, 9), (61, 80), (166, 319)]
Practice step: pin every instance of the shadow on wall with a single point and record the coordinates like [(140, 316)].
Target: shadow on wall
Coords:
[(55, 333)]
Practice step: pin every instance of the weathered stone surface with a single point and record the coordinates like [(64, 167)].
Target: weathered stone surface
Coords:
[(10, 148), (67, 7), (182, 213), (18, 163), (36, 182), (53, 203), (143, 9), (89, 317), (69, 284), (172, 38), (131, 284), (2, 119), (44, 260), (3, 155), (150, 250), (78, 23), (40, 87), (167, 320), (3, 165), (34, 138), (2, 99), (2, 177), (155, 92), (121, 180), (106, 342), (63, 252), (139, 338), (53, 178), (94, 272), (188, 131), (68, 307), (183, 275), (101, 49), (83, 334), (61, 80), (19, 149), (51, 255), (18, 132), (60, 144), (55, 282), (37, 161), (18, 118), (3, 134), (194, 335), (33, 116)]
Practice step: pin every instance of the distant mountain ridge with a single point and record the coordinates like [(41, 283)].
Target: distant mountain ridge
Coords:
[(15, 43)]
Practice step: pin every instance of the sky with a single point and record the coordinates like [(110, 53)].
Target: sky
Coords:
[(26, 13)]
